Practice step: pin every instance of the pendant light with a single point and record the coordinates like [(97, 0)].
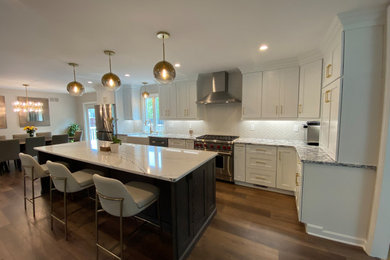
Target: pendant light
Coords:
[(110, 80), (163, 71), (27, 106), (75, 88), (145, 94)]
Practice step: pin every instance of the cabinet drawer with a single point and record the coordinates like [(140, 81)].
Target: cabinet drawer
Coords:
[(267, 162), (261, 149), (260, 177), (189, 144), (177, 143)]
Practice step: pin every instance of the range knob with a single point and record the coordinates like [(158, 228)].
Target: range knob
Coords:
[(229, 148), (224, 147), (211, 146), (218, 147)]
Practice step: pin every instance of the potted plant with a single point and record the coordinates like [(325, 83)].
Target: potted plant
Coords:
[(114, 146), (72, 129), (30, 130)]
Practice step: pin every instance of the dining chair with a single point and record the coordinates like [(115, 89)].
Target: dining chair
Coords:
[(9, 150), (59, 139), (32, 142), (47, 135), (78, 135), (2, 137), (21, 137), (67, 182), (122, 200), (33, 170)]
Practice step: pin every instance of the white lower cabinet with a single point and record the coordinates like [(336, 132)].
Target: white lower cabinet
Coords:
[(260, 164), (298, 188), (286, 170), (265, 165), (177, 143), (239, 162), (189, 144)]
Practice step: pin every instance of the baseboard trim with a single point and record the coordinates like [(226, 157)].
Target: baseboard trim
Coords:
[(287, 192), (346, 239)]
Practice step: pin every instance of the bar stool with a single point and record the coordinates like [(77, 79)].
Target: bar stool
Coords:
[(33, 170), (67, 182), (122, 200)]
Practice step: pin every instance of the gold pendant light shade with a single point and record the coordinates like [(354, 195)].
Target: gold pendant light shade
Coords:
[(145, 93), (110, 80), (75, 88), (163, 71)]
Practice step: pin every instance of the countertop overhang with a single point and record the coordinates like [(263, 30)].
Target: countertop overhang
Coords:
[(170, 164)]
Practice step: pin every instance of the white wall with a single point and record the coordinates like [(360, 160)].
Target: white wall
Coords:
[(62, 113)]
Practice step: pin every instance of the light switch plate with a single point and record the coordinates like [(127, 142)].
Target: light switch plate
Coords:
[(252, 127), (296, 128)]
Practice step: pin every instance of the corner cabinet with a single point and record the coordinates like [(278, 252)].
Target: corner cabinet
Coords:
[(310, 77), (251, 95), (279, 98), (330, 117)]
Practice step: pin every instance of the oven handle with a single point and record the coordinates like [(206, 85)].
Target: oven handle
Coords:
[(223, 153)]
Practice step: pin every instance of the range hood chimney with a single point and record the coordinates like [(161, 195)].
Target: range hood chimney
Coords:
[(219, 91)]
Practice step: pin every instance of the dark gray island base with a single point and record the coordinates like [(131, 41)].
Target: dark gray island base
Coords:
[(186, 206)]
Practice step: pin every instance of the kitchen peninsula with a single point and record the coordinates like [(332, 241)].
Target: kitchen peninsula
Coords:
[(186, 179)]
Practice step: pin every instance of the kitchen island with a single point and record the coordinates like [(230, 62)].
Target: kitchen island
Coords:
[(186, 179)]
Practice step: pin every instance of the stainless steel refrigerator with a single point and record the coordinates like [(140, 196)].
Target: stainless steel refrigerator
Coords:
[(105, 116)]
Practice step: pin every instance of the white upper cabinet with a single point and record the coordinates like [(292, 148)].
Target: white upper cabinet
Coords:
[(186, 100), (280, 93), (330, 118), (127, 101), (333, 60), (251, 95), (167, 100), (310, 90)]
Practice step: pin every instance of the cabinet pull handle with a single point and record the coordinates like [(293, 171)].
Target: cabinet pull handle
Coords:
[(280, 156), (260, 162), (328, 71), (276, 110), (327, 100), (296, 179), (260, 178), (281, 110), (300, 109), (260, 150)]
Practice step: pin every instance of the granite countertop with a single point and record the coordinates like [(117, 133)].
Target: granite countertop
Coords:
[(170, 164), (306, 153), (173, 136)]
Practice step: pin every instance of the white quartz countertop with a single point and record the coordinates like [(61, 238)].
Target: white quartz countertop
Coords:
[(307, 153), (170, 164), (173, 136)]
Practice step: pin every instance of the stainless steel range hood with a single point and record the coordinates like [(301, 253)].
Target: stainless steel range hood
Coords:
[(219, 91)]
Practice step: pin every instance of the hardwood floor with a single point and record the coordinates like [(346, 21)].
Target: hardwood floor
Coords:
[(250, 224)]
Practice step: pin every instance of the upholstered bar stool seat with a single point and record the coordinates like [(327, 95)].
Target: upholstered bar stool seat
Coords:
[(122, 200), (33, 170), (67, 182)]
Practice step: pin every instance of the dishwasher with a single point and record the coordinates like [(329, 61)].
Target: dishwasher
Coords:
[(158, 141)]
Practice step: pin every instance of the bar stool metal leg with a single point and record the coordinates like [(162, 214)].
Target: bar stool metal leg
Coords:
[(51, 203), (24, 187), (33, 191)]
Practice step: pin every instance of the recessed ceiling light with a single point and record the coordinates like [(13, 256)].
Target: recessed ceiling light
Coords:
[(90, 82), (263, 47), (177, 65), (127, 75)]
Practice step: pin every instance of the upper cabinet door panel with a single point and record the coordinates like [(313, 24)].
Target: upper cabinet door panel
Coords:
[(333, 62), (270, 94), (182, 100), (192, 106), (310, 90), (289, 81), (251, 95)]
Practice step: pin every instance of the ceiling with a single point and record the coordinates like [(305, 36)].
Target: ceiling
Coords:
[(40, 37)]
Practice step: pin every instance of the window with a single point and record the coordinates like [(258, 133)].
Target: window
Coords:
[(151, 112)]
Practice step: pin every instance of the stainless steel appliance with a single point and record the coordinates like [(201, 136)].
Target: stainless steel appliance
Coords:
[(158, 141), (105, 126), (224, 146), (312, 132)]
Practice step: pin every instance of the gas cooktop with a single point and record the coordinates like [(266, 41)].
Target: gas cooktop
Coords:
[(225, 138)]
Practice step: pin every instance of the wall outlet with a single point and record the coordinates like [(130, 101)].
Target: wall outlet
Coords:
[(296, 128), (252, 127)]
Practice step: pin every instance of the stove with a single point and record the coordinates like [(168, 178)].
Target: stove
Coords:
[(224, 146)]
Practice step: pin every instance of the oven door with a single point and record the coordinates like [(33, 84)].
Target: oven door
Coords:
[(224, 166)]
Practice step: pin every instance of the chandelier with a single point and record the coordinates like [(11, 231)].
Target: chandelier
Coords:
[(27, 106)]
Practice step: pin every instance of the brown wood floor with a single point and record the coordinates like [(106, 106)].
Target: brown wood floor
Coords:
[(250, 224)]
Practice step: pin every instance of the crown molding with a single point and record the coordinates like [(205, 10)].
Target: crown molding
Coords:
[(310, 56), (272, 65), (363, 18)]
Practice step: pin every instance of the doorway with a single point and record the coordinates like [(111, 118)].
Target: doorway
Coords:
[(90, 121)]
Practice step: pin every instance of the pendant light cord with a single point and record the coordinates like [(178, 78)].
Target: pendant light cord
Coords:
[(163, 47), (26, 95), (109, 60), (74, 73)]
